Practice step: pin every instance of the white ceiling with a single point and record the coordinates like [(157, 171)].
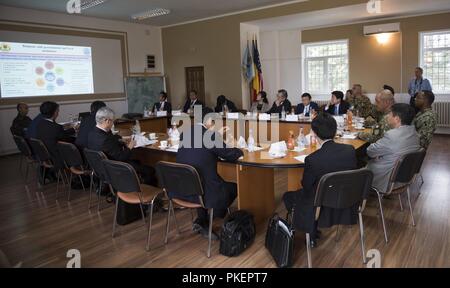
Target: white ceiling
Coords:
[(351, 14), (181, 10)]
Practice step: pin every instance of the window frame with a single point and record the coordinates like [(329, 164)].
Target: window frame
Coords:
[(304, 60), (422, 50)]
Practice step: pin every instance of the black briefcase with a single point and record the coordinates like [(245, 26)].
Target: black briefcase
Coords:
[(238, 233), (280, 241), (127, 213)]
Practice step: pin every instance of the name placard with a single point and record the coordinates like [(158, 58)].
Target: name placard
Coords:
[(292, 118), (232, 115), (264, 117)]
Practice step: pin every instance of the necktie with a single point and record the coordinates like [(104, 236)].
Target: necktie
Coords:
[(306, 110), (336, 110)]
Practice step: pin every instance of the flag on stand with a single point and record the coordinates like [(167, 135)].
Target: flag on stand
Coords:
[(257, 85), (247, 65)]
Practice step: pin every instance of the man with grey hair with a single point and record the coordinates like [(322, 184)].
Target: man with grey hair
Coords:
[(114, 147), (383, 103)]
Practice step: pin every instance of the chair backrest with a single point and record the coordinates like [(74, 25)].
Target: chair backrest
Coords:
[(83, 115), (40, 151), (133, 116), (122, 176), (70, 154), (23, 146), (421, 159), (344, 189), (407, 166), (95, 162), (181, 179)]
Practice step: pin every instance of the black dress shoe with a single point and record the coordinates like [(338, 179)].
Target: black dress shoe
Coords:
[(313, 243), (205, 233), (202, 228)]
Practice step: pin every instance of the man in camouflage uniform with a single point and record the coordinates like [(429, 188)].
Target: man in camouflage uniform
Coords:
[(360, 103), (383, 101), (426, 120)]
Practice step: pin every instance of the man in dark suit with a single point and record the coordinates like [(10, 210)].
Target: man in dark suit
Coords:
[(306, 106), (22, 121), (331, 157), (281, 103), (102, 139), (88, 124), (32, 128), (219, 194), (163, 104), (191, 102), (50, 132), (337, 106)]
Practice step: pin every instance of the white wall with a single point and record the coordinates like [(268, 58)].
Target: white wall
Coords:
[(281, 62), (142, 40)]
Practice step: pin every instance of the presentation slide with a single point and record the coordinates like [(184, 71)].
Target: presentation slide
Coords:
[(28, 69)]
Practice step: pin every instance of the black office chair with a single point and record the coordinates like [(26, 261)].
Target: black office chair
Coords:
[(95, 162), (83, 115), (342, 190), (402, 176), (45, 161), (185, 180), (73, 162), (128, 188), (25, 152), (133, 116)]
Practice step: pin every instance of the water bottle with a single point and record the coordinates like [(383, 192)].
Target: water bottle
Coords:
[(250, 141), (301, 143), (283, 113), (175, 134), (137, 127)]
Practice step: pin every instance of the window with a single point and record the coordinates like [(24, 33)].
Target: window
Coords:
[(325, 66), (435, 59)]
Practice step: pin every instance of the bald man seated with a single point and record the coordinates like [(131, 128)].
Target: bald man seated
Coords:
[(22, 121), (383, 104)]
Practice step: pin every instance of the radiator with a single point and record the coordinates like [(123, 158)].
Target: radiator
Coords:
[(443, 113), (322, 102)]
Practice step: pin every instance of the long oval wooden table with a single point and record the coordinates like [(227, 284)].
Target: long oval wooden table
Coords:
[(254, 173)]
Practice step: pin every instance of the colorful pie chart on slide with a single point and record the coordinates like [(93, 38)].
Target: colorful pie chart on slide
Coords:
[(40, 82), (50, 88), (39, 70), (49, 65), (50, 76)]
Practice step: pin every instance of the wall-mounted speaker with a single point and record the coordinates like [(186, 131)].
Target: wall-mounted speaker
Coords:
[(151, 62)]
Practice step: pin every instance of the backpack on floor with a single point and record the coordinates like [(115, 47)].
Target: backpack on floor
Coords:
[(238, 233)]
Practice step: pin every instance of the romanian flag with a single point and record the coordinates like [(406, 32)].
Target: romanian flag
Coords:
[(257, 83)]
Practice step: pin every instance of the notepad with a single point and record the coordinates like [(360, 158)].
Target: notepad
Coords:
[(301, 158)]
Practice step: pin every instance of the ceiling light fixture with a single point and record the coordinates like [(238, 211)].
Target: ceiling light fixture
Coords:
[(86, 4), (151, 13)]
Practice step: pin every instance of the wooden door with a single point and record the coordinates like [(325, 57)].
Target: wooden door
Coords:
[(195, 80)]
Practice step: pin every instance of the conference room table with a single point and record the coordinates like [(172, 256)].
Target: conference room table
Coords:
[(254, 173)]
